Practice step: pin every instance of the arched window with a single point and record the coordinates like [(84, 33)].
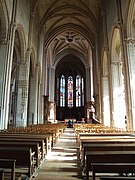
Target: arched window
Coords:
[(70, 91), (62, 91), (82, 92), (79, 91)]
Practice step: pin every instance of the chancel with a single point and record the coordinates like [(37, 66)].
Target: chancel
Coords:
[(67, 89)]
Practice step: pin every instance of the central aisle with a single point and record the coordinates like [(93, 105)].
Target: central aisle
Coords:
[(62, 163)]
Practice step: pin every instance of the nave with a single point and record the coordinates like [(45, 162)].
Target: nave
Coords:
[(53, 151), (62, 162)]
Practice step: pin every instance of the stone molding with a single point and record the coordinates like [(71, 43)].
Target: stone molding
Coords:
[(4, 42), (129, 41)]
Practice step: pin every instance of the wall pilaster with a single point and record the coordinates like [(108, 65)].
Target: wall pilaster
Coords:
[(125, 69), (8, 68), (130, 49)]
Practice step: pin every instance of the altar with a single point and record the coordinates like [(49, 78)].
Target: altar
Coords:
[(70, 119), (70, 122)]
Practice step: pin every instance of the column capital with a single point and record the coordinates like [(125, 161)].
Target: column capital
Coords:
[(13, 25), (4, 42), (105, 75), (29, 50), (118, 24), (129, 41), (116, 63)]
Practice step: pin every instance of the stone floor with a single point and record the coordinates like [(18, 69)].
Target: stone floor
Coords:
[(62, 163)]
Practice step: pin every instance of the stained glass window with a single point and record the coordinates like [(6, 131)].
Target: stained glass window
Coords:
[(82, 92), (78, 91), (58, 91), (70, 91), (62, 91)]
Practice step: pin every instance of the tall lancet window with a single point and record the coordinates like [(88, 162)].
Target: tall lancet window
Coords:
[(78, 91), (82, 91), (62, 91), (70, 91)]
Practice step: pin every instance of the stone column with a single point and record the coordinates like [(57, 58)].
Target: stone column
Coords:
[(51, 94), (45, 84), (8, 68), (22, 97), (130, 47), (88, 85), (45, 73), (96, 73), (101, 116), (3, 52), (51, 83), (125, 69), (25, 75), (105, 48), (110, 92), (40, 81)]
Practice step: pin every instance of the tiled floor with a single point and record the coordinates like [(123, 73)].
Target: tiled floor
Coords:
[(62, 163)]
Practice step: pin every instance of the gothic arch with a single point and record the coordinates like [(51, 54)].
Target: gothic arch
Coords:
[(117, 81), (131, 20), (50, 35), (22, 39), (53, 9), (16, 75), (4, 20), (32, 58), (130, 44), (72, 52), (31, 90)]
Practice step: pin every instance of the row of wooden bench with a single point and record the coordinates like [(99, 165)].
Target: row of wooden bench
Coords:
[(28, 149), (96, 128), (103, 153)]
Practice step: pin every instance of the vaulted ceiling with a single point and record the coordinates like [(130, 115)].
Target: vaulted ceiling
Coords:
[(69, 26)]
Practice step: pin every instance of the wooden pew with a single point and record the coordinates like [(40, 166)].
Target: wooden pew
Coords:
[(32, 137), (47, 137), (33, 145), (106, 141), (8, 164), (23, 140), (106, 147), (23, 155), (105, 135), (54, 129), (108, 156), (1, 174), (116, 178), (112, 168), (98, 128)]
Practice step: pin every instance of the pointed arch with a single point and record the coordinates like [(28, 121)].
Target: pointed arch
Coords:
[(131, 55), (118, 88), (22, 39), (4, 20)]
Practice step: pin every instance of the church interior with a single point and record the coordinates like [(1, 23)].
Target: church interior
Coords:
[(67, 85)]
